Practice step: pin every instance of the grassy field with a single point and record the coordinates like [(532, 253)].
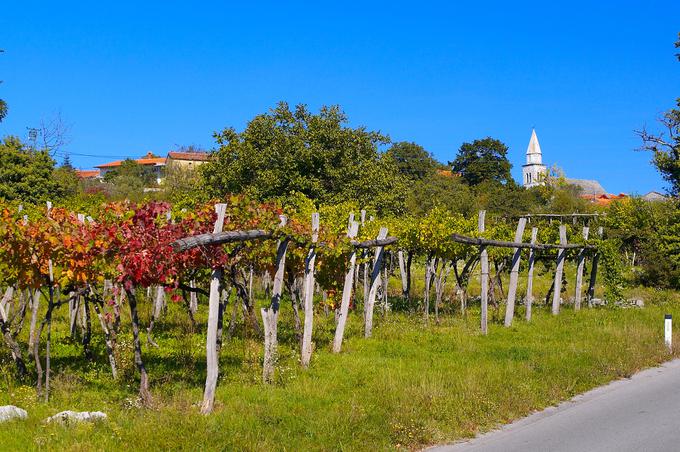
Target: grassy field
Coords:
[(410, 385)]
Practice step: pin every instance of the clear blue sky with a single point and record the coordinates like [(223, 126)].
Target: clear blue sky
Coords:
[(132, 77)]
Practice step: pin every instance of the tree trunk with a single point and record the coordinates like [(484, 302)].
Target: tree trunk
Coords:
[(87, 337), (193, 301), (34, 319), (48, 343), (144, 393), (294, 289), (109, 340), (14, 348)]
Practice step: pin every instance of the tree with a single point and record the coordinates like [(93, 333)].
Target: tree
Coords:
[(286, 151), (26, 175), (413, 160), (68, 181), (66, 163), (439, 190), (665, 147), (130, 179), (483, 160)]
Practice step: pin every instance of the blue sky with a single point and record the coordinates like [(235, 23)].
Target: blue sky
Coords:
[(132, 77)]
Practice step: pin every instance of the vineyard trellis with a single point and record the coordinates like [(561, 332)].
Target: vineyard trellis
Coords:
[(99, 263)]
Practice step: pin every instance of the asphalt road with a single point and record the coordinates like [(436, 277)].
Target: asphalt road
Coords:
[(637, 414)]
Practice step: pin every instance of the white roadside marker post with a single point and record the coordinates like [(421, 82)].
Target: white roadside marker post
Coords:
[(668, 331)]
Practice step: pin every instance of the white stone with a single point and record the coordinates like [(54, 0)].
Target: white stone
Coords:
[(68, 417), (9, 412)]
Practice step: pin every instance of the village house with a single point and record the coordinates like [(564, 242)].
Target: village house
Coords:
[(186, 160), (155, 163)]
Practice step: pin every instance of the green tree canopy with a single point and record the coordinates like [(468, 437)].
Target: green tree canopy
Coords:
[(26, 175), (286, 151), (446, 192), (130, 179), (413, 160), (483, 160), (665, 147)]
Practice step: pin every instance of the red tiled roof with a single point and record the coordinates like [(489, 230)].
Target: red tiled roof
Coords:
[(195, 156), (604, 199), (148, 160), (87, 174)]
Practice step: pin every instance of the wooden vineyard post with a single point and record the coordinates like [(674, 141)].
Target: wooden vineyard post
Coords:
[(212, 360), (364, 267), (579, 271), (308, 291), (430, 270), (403, 274), (558, 272), (593, 272), (530, 275), (193, 298), (346, 291), (270, 315), (375, 282), (514, 273), (484, 276)]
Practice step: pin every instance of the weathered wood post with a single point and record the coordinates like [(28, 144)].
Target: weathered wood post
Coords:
[(579, 271), (484, 275), (530, 275), (514, 273), (364, 267), (558, 272), (346, 292), (270, 315), (212, 360), (430, 270), (593, 272), (308, 290), (375, 282), (404, 276)]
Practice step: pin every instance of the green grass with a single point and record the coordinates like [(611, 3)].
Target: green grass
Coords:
[(410, 385)]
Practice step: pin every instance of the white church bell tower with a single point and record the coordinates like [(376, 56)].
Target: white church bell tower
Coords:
[(534, 172)]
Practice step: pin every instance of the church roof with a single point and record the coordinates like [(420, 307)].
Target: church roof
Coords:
[(534, 147), (654, 196), (588, 187)]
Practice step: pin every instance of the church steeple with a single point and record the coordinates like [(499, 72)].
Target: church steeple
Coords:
[(534, 155), (533, 172)]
